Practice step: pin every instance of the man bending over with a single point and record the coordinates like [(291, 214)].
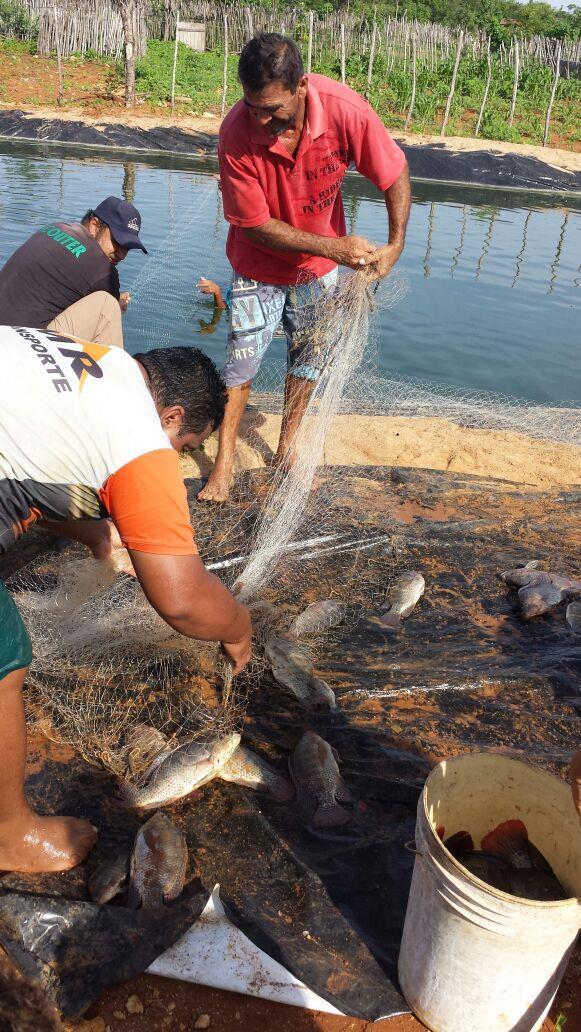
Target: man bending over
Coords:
[(284, 150), (64, 277), (88, 444)]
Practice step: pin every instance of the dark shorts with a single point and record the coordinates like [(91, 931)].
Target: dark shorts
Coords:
[(15, 647), (256, 309)]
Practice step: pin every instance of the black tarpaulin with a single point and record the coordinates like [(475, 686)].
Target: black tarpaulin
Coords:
[(465, 673)]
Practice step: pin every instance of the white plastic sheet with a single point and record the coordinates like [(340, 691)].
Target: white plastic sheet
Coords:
[(216, 953)]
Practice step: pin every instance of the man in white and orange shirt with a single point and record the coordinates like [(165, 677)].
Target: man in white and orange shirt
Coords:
[(284, 150), (88, 445)]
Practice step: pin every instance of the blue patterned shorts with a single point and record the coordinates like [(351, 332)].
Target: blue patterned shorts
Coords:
[(256, 309)]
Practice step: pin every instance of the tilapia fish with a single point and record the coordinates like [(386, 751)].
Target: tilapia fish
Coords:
[(402, 597), (534, 600), (141, 746), (108, 880), (180, 772), (292, 667), (158, 863), (573, 616), (528, 577), (248, 769), (315, 773), (319, 616), (509, 861)]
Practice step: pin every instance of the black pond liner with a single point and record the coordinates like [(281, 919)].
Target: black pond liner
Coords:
[(465, 673), (431, 161)]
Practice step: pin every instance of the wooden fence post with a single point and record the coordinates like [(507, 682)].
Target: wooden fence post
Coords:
[(413, 96), (553, 92), (175, 64), (59, 64), (371, 60), (486, 89), (225, 80), (453, 83), (249, 22), (343, 52), (310, 45), (515, 85)]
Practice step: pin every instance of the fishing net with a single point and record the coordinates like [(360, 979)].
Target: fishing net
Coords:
[(104, 661)]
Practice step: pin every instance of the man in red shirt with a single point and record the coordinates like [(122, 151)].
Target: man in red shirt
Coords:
[(284, 150)]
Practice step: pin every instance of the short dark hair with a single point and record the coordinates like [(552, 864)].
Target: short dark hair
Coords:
[(270, 57), (90, 214), (186, 377)]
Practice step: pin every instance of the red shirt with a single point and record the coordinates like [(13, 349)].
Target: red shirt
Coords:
[(261, 180)]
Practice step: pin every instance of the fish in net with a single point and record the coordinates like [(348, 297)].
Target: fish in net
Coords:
[(105, 662)]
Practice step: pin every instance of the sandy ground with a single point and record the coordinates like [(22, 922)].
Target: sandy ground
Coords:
[(426, 443), (177, 1006), (568, 160)]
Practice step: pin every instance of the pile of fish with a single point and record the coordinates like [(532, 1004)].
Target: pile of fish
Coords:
[(540, 591), (156, 870), (175, 772), (508, 861)]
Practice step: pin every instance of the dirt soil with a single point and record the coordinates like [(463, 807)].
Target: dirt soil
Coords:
[(92, 93), (424, 443), (176, 1007)]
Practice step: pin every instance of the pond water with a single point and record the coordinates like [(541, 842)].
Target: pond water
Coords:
[(494, 277)]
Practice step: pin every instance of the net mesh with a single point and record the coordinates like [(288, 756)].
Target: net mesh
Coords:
[(104, 661)]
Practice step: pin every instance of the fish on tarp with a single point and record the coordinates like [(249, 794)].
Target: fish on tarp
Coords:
[(525, 577), (538, 599), (317, 617), (246, 768), (573, 616), (181, 771), (402, 597), (158, 863), (109, 879), (292, 667), (141, 746), (315, 772)]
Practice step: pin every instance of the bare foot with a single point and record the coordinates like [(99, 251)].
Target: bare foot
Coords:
[(32, 844), (217, 488)]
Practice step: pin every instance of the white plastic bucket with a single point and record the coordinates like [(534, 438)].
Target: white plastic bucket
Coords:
[(474, 959)]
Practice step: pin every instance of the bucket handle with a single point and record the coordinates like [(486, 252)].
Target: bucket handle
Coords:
[(411, 847)]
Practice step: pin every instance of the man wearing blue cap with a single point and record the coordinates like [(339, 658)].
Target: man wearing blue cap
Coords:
[(65, 278)]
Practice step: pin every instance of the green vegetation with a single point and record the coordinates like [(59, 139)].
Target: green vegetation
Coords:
[(16, 22), (499, 18), (199, 76)]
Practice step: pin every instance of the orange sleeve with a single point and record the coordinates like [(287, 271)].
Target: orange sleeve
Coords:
[(147, 501)]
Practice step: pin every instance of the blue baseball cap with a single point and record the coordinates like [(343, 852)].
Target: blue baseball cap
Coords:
[(123, 220)]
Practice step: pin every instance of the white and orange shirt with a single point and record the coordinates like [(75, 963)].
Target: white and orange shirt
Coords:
[(80, 438)]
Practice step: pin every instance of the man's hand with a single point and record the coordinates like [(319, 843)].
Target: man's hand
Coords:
[(239, 652), (124, 299), (353, 251), (106, 545), (385, 259)]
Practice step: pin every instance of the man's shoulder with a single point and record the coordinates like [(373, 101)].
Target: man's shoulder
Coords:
[(335, 96), (234, 128)]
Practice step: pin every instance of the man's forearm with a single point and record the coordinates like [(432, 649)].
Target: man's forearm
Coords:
[(398, 199), (189, 598), (281, 237)]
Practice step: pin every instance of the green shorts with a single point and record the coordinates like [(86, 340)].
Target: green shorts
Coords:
[(15, 647)]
